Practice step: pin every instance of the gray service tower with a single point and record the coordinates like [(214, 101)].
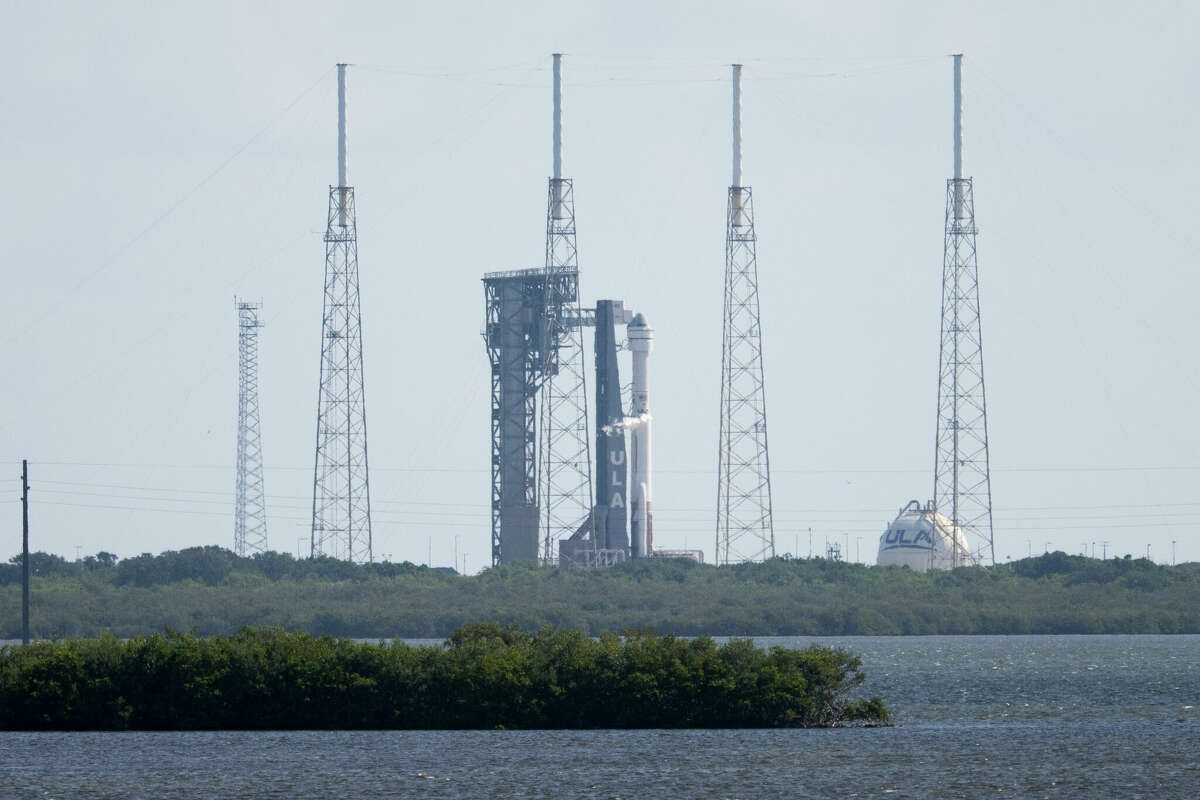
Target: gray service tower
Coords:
[(522, 323), (541, 464), (521, 337)]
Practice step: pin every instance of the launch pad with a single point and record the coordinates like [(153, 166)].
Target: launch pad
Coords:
[(527, 314)]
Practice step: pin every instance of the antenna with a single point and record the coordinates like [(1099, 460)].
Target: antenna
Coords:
[(557, 116), (558, 190), (737, 125), (341, 72), (737, 196), (958, 143), (342, 184), (745, 524)]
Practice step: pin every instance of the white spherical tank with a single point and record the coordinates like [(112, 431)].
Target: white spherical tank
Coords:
[(922, 539)]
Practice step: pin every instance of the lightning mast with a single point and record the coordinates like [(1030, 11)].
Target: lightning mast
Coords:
[(962, 485), (250, 506), (745, 526), (565, 472), (341, 522)]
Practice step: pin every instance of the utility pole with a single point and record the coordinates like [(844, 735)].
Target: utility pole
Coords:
[(24, 551)]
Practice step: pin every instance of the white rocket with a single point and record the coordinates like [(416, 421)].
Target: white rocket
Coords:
[(641, 527)]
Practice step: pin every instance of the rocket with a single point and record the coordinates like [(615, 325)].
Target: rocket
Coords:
[(641, 342)]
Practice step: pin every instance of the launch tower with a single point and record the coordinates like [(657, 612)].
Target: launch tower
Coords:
[(516, 338), (962, 482), (341, 522), (745, 527)]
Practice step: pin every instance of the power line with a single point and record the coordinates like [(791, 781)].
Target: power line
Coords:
[(666, 470), (59, 307), (482, 523), (671, 510)]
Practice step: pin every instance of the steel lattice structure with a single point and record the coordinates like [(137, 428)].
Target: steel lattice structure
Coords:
[(250, 505), (565, 471), (962, 480), (513, 337), (533, 331), (745, 524), (341, 523)]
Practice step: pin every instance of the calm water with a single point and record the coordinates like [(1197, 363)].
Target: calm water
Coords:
[(993, 716)]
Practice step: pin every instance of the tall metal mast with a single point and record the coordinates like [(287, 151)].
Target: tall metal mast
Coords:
[(565, 472), (341, 523), (745, 526), (250, 511), (962, 485)]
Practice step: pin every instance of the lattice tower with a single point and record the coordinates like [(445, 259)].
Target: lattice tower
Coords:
[(961, 475), (250, 505), (565, 472), (341, 523), (745, 524), (513, 337)]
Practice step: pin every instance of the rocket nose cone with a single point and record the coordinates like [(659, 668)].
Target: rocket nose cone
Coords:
[(639, 321)]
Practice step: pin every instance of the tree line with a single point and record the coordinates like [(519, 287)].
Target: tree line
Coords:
[(486, 676), (210, 590)]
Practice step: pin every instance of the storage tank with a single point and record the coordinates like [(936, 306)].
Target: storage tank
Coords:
[(922, 539)]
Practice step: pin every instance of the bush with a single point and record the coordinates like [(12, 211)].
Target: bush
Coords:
[(486, 676), (213, 591)]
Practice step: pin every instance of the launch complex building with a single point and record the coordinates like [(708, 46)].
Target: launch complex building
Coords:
[(552, 503), (533, 330), (572, 470)]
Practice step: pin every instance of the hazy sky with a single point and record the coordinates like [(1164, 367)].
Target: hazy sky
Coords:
[(163, 157)]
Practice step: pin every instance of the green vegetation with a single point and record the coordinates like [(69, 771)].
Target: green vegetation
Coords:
[(211, 591), (485, 677)]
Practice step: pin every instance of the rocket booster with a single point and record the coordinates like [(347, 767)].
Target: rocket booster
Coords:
[(641, 342)]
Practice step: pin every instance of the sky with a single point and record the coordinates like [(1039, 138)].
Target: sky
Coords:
[(164, 157)]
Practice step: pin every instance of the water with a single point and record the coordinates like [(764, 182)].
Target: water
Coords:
[(990, 716)]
